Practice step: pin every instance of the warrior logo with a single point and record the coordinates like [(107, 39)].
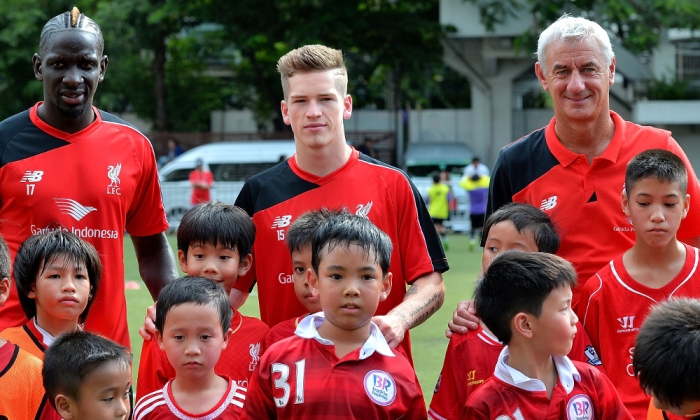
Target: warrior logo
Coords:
[(363, 209), (113, 174), (73, 208), (255, 356)]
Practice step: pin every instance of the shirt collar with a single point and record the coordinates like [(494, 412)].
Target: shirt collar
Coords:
[(308, 328), (566, 371), (566, 157), (47, 338)]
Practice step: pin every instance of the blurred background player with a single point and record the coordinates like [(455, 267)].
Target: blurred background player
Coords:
[(471, 358), (525, 300), (57, 276), (477, 187), (88, 377), (193, 327), (439, 206), (337, 354), (202, 181), (214, 241), (617, 299), (666, 359)]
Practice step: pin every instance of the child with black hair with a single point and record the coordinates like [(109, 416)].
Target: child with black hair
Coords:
[(616, 300), (21, 386), (214, 241), (525, 301), (299, 237), (470, 358), (666, 359), (193, 327), (88, 377), (57, 276), (334, 356)]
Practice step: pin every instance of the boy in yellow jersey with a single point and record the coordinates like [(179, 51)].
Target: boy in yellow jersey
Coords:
[(439, 206)]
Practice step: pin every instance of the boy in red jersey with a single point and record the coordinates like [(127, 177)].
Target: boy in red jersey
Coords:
[(20, 383), (299, 243), (339, 365), (615, 301), (88, 377), (214, 241), (666, 359), (57, 276), (525, 300), (470, 358), (193, 326)]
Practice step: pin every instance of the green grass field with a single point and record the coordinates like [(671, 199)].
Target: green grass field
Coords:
[(429, 342)]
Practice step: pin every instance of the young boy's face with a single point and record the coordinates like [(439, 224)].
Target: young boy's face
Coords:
[(103, 395), (656, 209), (504, 236), (349, 284), (687, 409), (301, 263), (61, 291), (215, 262), (192, 339), (556, 326)]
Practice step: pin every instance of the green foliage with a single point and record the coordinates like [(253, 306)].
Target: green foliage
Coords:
[(636, 24), (672, 90)]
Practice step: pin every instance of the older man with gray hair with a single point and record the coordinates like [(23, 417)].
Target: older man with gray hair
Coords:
[(574, 168)]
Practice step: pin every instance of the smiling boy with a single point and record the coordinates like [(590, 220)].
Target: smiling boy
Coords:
[(322, 371), (616, 300)]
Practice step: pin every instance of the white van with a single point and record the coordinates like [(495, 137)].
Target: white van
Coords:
[(231, 163)]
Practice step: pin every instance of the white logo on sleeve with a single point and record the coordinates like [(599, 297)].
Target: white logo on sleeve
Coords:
[(113, 174), (549, 203), (380, 387), (73, 208)]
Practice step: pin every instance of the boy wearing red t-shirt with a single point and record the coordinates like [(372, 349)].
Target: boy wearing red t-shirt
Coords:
[(299, 244), (214, 241), (525, 301), (338, 364), (470, 358), (615, 301), (193, 327)]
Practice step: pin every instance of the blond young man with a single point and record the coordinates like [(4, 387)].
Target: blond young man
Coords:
[(326, 172)]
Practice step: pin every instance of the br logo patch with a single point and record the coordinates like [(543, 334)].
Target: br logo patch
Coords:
[(380, 387), (579, 408)]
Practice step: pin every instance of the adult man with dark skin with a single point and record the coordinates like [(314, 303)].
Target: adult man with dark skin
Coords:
[(573, 169), (67, 165)]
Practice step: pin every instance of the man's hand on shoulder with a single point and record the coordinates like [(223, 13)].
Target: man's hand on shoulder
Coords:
[(463, 319), (393, 328), (148, 330)]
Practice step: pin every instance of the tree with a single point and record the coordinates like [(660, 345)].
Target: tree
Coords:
[(637, 24)]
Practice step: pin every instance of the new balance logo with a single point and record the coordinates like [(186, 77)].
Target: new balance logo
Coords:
[(626, 321), (32, 176), (282, 221), (549, 203), (73, 208)]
